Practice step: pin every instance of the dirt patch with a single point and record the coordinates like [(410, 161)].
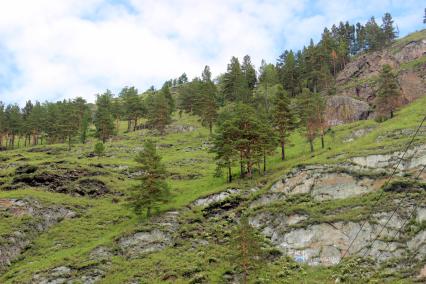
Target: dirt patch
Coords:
[(41, 218), (25, 169), (47, 150), (69, 181), (192, 176), (90, 187)]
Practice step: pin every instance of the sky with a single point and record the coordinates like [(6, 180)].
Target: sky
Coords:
[(56, 49)]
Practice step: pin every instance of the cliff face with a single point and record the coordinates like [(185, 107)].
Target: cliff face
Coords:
[(357, 80)]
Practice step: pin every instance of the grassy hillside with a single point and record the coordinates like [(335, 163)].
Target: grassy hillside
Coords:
[(101, 219)]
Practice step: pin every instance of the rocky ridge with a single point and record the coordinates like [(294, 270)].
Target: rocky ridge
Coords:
[(356, 83)]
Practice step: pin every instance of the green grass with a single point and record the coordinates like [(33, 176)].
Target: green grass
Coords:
[(400, 43), (101, 221)]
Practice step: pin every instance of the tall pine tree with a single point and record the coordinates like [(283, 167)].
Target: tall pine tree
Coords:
[(283, 118), (153, 188), (388, 94), (103, 118)]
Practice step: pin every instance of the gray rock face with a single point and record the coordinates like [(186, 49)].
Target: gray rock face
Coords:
[(322, 183), (325, 243), (357, 134), (156, 239), (145, 242), (414, 158), (44, 218), (358, 78), (344, 109), (64, 274), (179, 128), (206, 201)]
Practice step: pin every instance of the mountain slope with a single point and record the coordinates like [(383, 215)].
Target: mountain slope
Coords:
[(65, 218), (357, 81)]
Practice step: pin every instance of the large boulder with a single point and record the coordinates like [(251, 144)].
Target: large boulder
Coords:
[(358, 79), (343, 109)]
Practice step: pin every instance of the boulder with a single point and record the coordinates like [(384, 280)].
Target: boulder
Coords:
[(358, 78), (344, 109)]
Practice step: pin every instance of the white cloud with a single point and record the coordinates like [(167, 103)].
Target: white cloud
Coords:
[(68, 48)]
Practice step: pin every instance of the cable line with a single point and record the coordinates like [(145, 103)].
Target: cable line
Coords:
[(405, 222), (387, 182)]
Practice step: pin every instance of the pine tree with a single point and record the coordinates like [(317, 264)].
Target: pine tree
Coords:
[(14, 123), (308, 116), (319, 104), (159, 115), (288, 72), (268, 79), (360, 38), (388, 29), (117, 111), (249, 72), (240, 125), (206, 76), (133, 108), (103, 118), (424, 17), (283, 118), (205, 99), (374, 36), (267, 141), (84, 128), (153, 188), (2, 124), (168, 95), (388, 94), (99, 149), (248, 254), (69, 120), (224, 139), (26, 129), (234, 83), (183, 79)]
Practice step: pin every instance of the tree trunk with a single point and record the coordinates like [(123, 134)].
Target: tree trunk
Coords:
[(211, 128), (264, 162), (34, 142), (322, 140), (129, 125), (241, 165), (282, 151), (69, 143), (148, 212), (249, 169), (229, 174), (136, 123), (391, 113), (311, 143)]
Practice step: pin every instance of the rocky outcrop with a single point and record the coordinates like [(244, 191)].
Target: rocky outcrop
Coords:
[(344, 109), (356, 84), (358, 78), (40, 218), (325, 243), (323, 238), (322, 183), (77, 182), (151, 239), (414, 158), (217, 197)]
